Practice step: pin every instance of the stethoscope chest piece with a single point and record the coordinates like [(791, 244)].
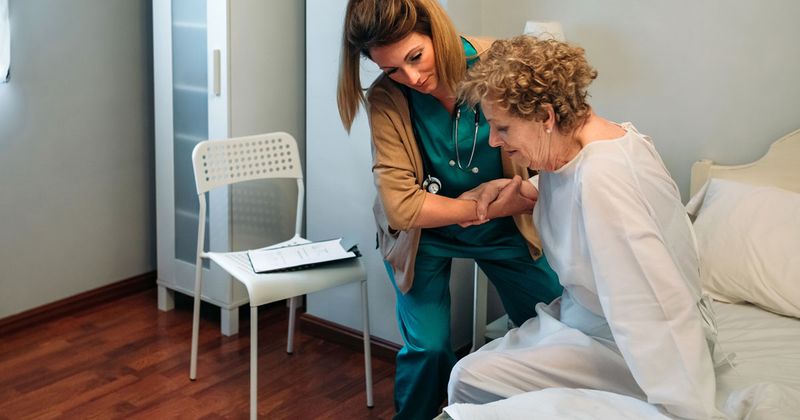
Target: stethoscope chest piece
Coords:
[(432, 184)]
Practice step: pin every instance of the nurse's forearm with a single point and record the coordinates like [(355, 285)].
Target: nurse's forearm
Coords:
[(442, 211)]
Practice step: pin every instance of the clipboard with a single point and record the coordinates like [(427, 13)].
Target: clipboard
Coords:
[(300, 256)]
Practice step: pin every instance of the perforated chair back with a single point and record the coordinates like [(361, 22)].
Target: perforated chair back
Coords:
[(228, 161), (223, 162)]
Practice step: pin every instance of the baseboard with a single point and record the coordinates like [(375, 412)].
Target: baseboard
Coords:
[(77, 302), (348, 337)]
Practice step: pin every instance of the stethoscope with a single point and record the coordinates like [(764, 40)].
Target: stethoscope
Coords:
[(473, 169), (431, 183)]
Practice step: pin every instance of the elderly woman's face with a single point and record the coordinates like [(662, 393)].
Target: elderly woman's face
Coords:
[(409, 61), (524, 141)]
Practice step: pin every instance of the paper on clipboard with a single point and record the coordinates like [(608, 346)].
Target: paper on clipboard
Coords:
[(300, 256)]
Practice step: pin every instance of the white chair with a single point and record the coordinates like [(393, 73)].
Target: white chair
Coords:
[(481, 328), (218, 163)]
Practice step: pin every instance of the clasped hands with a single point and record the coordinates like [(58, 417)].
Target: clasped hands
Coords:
[(500, 198)]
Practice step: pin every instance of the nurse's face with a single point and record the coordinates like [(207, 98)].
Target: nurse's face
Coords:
[(409, 61), (524, 141)]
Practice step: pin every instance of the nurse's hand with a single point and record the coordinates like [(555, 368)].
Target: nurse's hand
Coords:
[(483, 195)]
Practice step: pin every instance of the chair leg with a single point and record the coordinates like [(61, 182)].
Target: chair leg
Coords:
[(292, 315), (198, 282), (253, 362), (478, 309), (367, 349)]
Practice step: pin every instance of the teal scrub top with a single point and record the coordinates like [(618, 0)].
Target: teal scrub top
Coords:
[(496, 239)]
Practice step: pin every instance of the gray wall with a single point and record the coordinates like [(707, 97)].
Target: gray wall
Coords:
[(76, 150), (267, 94), (706, 79), (339, 188)]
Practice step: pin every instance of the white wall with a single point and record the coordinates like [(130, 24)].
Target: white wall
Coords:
[(706, 79), (76, 150)]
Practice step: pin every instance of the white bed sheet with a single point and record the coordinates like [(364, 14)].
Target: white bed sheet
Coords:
[(764, 384), (558, 404)]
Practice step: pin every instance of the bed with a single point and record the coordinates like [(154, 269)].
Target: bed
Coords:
[(747, 223)]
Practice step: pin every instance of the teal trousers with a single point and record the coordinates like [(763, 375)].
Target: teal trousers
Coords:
[(423, 314)]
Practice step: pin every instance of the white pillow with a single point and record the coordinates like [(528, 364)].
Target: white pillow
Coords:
[(749, 242)]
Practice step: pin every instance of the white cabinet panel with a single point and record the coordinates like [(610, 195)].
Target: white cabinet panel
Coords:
[(197, 46)]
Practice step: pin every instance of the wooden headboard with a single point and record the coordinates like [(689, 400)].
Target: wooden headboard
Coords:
[(779, 167)]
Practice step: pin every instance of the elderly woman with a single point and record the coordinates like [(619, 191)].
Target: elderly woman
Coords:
[(631, 319)]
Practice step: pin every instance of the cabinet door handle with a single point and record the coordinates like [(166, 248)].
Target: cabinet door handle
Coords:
[(217, 83)]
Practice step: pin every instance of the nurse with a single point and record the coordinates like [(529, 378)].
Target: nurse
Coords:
[(631, 319), (428, 149)]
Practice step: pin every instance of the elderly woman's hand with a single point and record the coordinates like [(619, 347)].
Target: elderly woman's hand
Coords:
[(500, 198), (483, 195), (517, 197)]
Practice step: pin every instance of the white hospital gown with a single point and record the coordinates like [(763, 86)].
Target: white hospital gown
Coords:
[(614, 230)]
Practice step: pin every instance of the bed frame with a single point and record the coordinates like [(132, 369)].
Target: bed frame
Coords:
[(779, 167)]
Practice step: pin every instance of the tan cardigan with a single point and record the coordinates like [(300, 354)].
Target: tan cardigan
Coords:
[(398, 172)]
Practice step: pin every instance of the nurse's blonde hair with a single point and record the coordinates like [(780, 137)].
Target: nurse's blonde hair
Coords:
[(525, 74), (376, 23)]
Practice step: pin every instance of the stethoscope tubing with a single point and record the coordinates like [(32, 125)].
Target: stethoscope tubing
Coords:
[(474, 139), (431, 183)]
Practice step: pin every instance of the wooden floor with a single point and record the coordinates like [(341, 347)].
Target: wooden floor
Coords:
[(126, 359)]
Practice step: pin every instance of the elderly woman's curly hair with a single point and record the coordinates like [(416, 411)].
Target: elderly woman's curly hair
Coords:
[(523, 74)]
